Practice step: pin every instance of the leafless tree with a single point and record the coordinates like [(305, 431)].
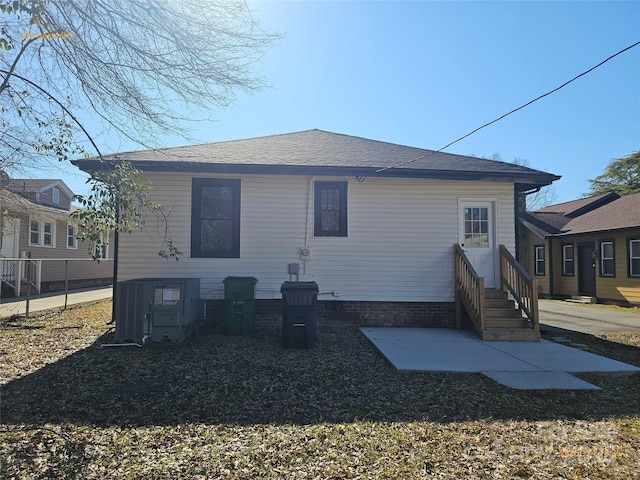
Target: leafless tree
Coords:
[(141, 67), (537, 200), (136, 65)]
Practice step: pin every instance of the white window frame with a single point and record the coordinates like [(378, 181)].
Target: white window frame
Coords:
[(73, 236), (632, 272), (46, 238), (32, 232), (566, 260), (540, 260), (101, 250), (55, 196), (603, 258)]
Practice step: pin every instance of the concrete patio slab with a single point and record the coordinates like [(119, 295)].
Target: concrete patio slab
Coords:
[(540, 381), (554, 357), (530, 365)]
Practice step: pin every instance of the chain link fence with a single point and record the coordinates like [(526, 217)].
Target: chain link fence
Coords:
[(30, 285)]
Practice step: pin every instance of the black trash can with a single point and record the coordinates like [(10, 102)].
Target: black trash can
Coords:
[(239, 305), (299, 323)]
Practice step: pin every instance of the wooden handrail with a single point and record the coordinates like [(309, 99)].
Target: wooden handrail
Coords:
[(516, 280), (469, 291)]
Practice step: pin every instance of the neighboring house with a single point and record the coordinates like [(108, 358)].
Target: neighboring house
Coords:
[(36, 223), (373, 223), (588, 247)]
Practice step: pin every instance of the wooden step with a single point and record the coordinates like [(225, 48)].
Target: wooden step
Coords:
[(501, 322), (499, 302), (503, 312), (511, 335), (491, 293)]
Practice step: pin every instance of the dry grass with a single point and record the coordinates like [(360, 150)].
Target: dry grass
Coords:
[(239, 407)]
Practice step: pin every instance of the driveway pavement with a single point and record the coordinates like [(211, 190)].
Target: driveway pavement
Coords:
[(586, 319)]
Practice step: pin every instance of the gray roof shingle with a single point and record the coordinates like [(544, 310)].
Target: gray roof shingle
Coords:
[(618, 214), (595, 214), (321, 150)]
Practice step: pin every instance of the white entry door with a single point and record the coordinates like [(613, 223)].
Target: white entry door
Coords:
[(11, 230), (477, 238)]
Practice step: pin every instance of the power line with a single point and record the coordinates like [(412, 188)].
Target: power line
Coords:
[(506, 114)]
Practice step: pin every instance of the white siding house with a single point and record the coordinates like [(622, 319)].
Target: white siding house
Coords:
[(35, 221), (395, 247)]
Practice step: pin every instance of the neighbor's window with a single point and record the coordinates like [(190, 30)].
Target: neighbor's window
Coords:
[(42, 233), (330, 212), (101, 251), (55, 196), (607, 259), (567, 260), (634, 257), (34, 232), (48, 234), (539, 260), (215, 218), (72, 240)]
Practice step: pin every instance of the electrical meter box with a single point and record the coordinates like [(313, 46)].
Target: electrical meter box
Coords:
[(161, 310)]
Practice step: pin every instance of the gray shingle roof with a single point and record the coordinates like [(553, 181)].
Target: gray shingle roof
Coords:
[(556, 220), (36, 184), (618, 214), (322, 151), (16, 203), (580, 206)]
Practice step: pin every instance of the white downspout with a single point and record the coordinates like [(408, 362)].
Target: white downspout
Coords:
[(306, 230)]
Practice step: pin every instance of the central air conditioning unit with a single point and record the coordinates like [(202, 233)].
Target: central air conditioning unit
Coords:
[(160, 310)]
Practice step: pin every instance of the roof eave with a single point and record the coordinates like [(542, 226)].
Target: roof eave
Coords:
[(361, 172), (595, 231)]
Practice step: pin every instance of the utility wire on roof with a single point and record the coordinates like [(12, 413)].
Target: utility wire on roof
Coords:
[(362, 178)]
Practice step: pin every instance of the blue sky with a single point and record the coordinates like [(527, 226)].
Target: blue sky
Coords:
[(425, 73)]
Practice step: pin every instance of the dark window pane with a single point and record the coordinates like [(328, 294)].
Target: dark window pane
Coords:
[(217, 202), (330, 209), (216, 236), (635, 267), (215, 218), (330, 220), (607, 267)]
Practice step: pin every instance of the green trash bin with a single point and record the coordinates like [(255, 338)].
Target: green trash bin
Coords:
[(239, 305)]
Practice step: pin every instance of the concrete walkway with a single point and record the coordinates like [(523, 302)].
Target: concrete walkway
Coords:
[(10, 306), (521, 365), (587, 319)]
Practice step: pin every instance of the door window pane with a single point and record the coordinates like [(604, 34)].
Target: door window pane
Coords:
[(476, 227)]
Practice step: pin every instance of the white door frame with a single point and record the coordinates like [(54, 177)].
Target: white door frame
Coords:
[(11, 233), (490, 273)]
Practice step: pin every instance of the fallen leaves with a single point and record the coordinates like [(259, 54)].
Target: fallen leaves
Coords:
[(242, 407)]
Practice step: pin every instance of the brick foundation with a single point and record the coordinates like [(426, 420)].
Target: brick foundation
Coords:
[(379, 314)]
